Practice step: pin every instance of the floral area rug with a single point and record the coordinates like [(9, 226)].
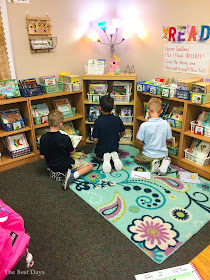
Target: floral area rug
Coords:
[(158, 215)]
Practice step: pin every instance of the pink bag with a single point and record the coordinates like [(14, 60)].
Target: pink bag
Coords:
[(13, 239)]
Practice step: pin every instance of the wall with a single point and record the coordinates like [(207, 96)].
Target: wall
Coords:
[(70, 19)]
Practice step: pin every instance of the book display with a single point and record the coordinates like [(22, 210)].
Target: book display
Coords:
[(122, 88)]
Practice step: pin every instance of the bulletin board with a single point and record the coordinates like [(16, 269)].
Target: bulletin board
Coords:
[(7, 70)]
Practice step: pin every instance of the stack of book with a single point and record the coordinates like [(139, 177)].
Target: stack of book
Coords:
[(48, 80), (28, 83), (11, 120), (63, 105), (122, 88), (17, 145), (199, 152), (98, 87), (40, 113)]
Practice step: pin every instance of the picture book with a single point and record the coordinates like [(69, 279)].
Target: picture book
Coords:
[(29, 83), (204, 119), (68, 127), (200, 148), (188, 177), (177, 113), (10, 116), (126, 112), (63, 105), (48, 80), (140, 175), (40, 110), (9, 89), (122, 88), (75, 139), (174, 141), (99, 88), (182, 272), (16, 142)]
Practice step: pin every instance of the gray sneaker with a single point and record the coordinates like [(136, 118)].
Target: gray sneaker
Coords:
[(68, 180)]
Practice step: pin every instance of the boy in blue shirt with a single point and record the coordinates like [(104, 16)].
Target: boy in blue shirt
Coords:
[(153, 134), (107, 131)]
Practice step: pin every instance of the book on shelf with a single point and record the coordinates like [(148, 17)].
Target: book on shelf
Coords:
[(40, 110), (204, 119), (48, 80), (122, 88), (63, 105), (28, 83), (16, 142), (10, 116), (126, 112), (98, 88), (68, 127), (182, 272), (177, 113), (200, 148), (174, 141)]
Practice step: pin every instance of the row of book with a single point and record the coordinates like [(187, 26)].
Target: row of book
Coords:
[(119, 88)]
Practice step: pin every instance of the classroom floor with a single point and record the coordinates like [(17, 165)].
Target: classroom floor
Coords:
[(69, 239)]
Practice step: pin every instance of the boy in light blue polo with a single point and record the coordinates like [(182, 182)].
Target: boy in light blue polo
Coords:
[(153, 134)]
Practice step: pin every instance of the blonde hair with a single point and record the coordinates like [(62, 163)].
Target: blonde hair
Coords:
[(55, 118), (155, 105)]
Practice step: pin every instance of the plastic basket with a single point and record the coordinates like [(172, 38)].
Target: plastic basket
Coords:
[(58, 87), (121, 98), (205, 129), (95, 69), (173, 151), (72, 86), (20, 152), (14, 125), (126, 138), (173, 122), (40, 120), (34, 91), (156, 90), (183, 94), (199, 98), (91, 118), (126, 119), (71, 113), (198, 160)]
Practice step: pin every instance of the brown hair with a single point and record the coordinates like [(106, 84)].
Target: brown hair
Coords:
[(155, 105), (55, 118)]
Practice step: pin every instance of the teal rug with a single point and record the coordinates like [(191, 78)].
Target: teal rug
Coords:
[(158, 215)]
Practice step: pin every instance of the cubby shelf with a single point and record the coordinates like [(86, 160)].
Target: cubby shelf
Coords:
[(24, 104), (109, 78), (193, 135), (191, 112)]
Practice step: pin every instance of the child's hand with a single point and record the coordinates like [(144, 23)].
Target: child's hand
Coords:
[(83, 155)]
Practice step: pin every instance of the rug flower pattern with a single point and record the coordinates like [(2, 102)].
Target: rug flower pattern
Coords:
[(159, 215)]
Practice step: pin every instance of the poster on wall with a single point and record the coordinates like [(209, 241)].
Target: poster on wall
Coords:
[(187, 58)]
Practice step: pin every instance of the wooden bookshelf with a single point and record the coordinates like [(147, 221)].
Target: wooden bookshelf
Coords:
[(191, 112), (109, 78), (24, 106)]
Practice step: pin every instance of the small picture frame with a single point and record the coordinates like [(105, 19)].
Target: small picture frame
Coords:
[(139, 87), (16, 125), (153, 90), (44, 119), (199, 129), (165, 92), (95, 98), (172, 122), (196, 98)]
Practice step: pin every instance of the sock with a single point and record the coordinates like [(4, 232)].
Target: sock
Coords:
[(164, 166), (76, 175)]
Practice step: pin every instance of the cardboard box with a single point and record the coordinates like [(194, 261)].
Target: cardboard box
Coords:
[(202, 87), (187, 84)]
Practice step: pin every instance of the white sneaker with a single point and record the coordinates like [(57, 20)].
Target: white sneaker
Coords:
[(155, 164), (106, 163), (118, 165), (164, 166)]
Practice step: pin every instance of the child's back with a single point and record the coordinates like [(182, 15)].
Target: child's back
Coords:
[(107, 129)]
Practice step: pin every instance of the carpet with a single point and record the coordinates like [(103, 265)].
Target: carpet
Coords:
[(158, 215)]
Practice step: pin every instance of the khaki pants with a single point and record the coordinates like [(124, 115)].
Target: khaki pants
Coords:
[(141, 158), (78, 164)]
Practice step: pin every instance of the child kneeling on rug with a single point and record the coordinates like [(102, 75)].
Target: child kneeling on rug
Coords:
[(153, 134), (57, 150), (107, 131)]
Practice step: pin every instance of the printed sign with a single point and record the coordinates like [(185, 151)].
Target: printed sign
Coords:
[(187, 58), (19, 1)]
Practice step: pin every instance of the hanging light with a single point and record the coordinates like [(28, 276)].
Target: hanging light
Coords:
[(111, 29), (93, 36), (102, 25), (116, 22)]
